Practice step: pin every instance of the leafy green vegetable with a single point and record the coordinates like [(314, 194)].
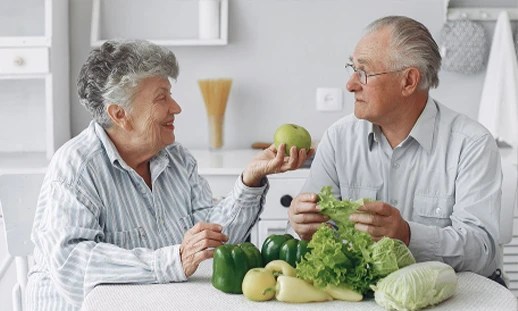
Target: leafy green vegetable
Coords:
[(346, 255), (331, 262), (388, 255), (416, 286)]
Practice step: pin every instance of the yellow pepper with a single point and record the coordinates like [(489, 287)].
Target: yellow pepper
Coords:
[(343, 292), (255, 283), (295, 290), (280, 267)]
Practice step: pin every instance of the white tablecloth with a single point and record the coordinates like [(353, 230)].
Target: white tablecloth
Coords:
[(473, 292)]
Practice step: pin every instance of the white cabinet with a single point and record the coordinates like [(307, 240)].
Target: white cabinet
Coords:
[(34, 82), (274, 218)]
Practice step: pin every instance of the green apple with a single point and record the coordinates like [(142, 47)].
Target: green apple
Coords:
[(292, 135)]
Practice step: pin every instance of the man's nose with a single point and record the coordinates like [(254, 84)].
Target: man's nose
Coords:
[(353, 84)]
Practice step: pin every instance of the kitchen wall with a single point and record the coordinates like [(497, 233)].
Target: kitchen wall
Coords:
[(279, 53)]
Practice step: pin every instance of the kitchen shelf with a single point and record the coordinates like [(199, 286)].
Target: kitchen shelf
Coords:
[(25, 42), (480, 14), (96, 40), (34, 82)]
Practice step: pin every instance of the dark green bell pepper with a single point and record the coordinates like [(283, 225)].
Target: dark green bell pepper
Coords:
[(284, 247), (292, 251), (231, 263)]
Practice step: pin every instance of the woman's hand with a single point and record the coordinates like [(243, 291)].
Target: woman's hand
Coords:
[(198, 244), (272, 161)]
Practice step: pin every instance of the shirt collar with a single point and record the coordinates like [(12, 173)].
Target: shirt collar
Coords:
[(422, 132), (424, 128), (374, 135), (109, 147)]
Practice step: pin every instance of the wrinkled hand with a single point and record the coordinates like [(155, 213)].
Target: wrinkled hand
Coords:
[(304, 215), (381, 220), (198, 244), (272, 161)]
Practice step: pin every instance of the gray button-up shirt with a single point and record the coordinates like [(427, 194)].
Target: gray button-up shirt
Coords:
[(445, 178)]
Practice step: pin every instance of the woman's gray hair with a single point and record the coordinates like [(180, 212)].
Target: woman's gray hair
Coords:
[(112, 73), (412, 45)]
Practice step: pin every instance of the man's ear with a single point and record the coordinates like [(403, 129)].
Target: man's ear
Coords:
[(410, 81), (119, 116)]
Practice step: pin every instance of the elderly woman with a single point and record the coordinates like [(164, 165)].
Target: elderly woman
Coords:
[(122, 202)]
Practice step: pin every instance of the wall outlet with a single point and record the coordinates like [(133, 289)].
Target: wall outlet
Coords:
[(329, 99)]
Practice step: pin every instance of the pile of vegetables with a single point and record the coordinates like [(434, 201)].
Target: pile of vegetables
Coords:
[(341, 263), (346, 256)]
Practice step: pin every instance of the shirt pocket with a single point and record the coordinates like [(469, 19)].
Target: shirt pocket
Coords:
[(127, 239), (433, 210), (354, 193)]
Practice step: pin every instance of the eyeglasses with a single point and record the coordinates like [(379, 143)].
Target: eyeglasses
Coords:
[(362, 75)]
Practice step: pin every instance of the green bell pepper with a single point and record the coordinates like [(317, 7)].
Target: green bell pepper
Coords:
[(284, 247), (231, 263), (292, 251)]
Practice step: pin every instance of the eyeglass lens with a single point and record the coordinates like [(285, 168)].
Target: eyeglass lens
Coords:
[(362, 76)]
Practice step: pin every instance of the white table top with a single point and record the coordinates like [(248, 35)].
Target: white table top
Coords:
[(473, 292)]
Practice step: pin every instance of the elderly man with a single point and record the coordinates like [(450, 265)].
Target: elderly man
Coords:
[(435, 173)]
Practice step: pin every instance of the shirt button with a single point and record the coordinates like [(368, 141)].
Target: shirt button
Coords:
[(143, 190), (258, 197), (161, 221), (394, 202), (438, 210), (396, 165)]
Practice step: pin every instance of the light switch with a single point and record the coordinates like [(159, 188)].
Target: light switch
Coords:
[(329, 99)]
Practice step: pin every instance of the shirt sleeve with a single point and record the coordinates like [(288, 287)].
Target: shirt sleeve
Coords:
[(68, 235), (470, 243), (237, 213)]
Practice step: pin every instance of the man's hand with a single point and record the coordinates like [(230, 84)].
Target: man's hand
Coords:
[(272, 161), (304, 215), (198, 244), (380, 219)]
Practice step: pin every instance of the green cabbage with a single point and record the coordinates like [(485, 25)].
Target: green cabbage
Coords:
[(416, 286)]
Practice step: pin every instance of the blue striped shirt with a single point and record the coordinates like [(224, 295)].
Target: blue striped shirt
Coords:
[(445, 179), (98, 222)]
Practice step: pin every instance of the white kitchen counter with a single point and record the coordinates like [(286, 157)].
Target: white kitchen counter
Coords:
[(473, 293), (232, 162)]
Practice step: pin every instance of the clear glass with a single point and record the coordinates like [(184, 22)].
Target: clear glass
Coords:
[(216, 131)]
